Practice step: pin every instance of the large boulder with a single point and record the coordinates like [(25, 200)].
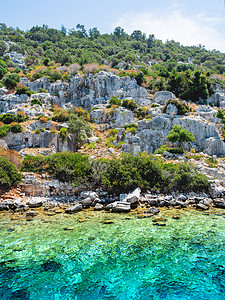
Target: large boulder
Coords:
[(133, 197), (120, 207)]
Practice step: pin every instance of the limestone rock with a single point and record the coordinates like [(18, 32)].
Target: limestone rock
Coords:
[(75, 208), (216, 191), (202, 206), (86, 202), (133, 197), (35, 203), (98, 206), (220, 203), (121, 207), (152, 210), (171, 109), (162, 96)]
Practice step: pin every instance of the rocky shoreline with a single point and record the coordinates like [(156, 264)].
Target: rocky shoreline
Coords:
[(143, 205)]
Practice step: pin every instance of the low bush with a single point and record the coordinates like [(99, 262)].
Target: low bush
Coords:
[(4, 129), (142, 113), (10, 118), (43, 119), (129, 104), (36, 101), (60, 116), (37, 131), (119, 175), (16, 127), (64, 166), (163, 148), (180, 105), (80, 112), (9, 174), (23, 90), (115, 101), (113, 132), (42, 91), (91, 145), (63, 134)]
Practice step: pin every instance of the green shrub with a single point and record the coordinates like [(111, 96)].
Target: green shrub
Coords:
[(91, 145), (61, 116), (43, 119), (119, 175), (184, 177), (180, 135), (10, 80), (176, 150), (9, 174), (142, 112), (113, 132), (10, 118), (161, 149), (180, 105), (42, 91), (21, 117), (36, 101), (154, 105), (4, 129), (133, 130), (24, 90), (37, 131), (120, 144), (43, 129), (64, 166), (63, 134), (129, 104), (7, 118), (130, 126), (115, 101), (16, 127)]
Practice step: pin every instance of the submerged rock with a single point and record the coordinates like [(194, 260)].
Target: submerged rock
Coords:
[(152, 210)]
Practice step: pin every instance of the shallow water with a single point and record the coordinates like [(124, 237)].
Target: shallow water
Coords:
[(129, 259)]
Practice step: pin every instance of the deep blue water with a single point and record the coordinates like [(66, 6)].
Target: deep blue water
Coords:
[(129, 259)]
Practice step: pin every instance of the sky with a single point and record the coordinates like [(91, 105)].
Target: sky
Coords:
[(190, 22)]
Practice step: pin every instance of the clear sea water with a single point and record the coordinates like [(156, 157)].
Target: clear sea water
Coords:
[(128, 259)]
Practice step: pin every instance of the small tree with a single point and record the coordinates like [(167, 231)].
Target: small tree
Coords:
[(78, 127), (10, 80), (180, 135)]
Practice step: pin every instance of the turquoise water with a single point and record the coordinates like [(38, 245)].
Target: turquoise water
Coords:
[(129, 259)]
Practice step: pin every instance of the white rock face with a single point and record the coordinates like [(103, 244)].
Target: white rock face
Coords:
[(17, 58), (91, 89), (152, 134), (171, 109), (18, 141), (12, 101), (118, 118), (162, 96)]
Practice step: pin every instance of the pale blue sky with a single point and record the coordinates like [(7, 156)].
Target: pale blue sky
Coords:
[(190, 22)]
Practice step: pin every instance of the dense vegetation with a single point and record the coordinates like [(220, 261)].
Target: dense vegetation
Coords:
[(119, 175), (191, 72), (9, 174)]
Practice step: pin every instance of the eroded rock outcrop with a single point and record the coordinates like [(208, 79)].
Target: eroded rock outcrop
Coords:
[(152, 134), (88, 90)]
